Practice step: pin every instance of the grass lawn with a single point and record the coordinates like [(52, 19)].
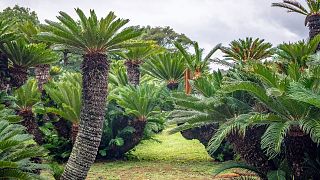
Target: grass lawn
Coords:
[(172, 158)]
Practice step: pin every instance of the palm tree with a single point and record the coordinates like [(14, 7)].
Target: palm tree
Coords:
[(141, 103), (23, 56), (289, 122), (67, 95), (297, 53), (92, 38), (134, 57), (29, 31), (196, 64), (249, 49), (168, 67), (5, 36), (26, 97), (311, 13)]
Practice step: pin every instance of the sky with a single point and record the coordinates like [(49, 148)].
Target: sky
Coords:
[(207, 21)]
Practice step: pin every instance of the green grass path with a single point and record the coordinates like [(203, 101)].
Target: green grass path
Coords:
[(172, 158)]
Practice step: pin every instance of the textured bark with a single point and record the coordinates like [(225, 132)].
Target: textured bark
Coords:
[(172, 86), (249, 148), (62, 126), (133, 72), (4, 71), (74, 132), (297, 145), (314, 26), (31, 125), (42, 75), (18, 76), (203, 133), (131, 141), (95, 83)]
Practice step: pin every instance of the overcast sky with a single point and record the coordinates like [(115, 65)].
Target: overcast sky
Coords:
[(207, 21)]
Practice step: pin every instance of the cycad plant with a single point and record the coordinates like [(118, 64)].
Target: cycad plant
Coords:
[(140, 102), (288, 120), (297, 53), (135, 56), (196, 63), (17, 152), (311, 12), (248, 49), (93, 38), (23, 56), (26, 97), (66, 94), (168, 67), (5, 36), (29, 32)]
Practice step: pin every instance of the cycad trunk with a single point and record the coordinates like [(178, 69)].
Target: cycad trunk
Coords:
[(249, 148), (4, 71), (172, 86), (42, 75), (298, 145), (95, 83), (130, 141), (18, 76), (31, 125), (314, 26), (74, 132), (133, 72)]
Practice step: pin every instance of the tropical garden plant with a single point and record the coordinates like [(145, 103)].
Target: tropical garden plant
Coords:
[(94, 39)]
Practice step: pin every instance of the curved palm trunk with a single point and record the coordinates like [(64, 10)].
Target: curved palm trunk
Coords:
[(4, 71), (95, 69), (31, 125), (133, 72), (249, 148), (314, 26), (74, 132), (42, 75), (18, 76)]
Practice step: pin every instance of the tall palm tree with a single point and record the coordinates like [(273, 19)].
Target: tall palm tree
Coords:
[(23, 56), (5, 36), (196, 64), (92, 38), (134, 57), (249, 49), (311, 12), (168, 67)]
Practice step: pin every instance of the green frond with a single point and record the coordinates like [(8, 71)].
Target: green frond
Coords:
[(27, 95), (234, 165)]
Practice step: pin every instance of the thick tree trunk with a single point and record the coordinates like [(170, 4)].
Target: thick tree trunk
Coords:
[(74, 132), (203, 133), (133, 72), (314, 26), (249, 148), (130, 141), (31, 125), (62, 126), (298, 145), (18, 76), (95, 69), (4, 71), (42, 75)]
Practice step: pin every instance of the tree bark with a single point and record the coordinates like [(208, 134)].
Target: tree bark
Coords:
[(42, 75), (95, 69), (62, 126), (74, 132), (31, 125), (249, 148), (133, 72), (18, 76), (314, 26)]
